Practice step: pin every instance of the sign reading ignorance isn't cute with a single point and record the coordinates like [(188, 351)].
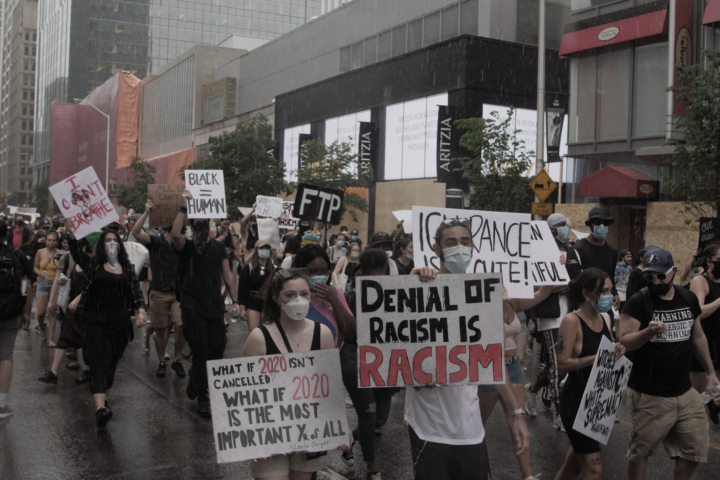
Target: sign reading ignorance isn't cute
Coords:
[(208, 191), (448, 331)]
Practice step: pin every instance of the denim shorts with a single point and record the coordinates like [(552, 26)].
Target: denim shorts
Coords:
[(43, 287), (514, 369)]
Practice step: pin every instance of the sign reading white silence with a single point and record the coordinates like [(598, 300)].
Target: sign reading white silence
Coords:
[(208, 191), (448, 331), (270, 207), (277, 404), (603, 394), (502, 244), (547, 267)]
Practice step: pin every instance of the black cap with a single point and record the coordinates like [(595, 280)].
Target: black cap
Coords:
[(44, 223), (354, 232), (379, 237), (600, 213)]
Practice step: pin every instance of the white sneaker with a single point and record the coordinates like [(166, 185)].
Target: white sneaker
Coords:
[(530, 402), (6, 411), (557, 424)]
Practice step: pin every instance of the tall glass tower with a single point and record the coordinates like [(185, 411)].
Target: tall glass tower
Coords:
[(82, 43)]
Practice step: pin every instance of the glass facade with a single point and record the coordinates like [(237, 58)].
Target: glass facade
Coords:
[(584, 4), (139, 36), (556, 16)]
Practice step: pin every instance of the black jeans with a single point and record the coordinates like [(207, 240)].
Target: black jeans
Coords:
[(205, 333), (105, 336), (440, 461)]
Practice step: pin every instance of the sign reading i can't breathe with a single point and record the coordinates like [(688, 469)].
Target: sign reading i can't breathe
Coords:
[(208, 191), (277, 404), (448, 331), (318, 203)]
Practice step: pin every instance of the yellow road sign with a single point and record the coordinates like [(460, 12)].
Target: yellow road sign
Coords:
[(541, 208), (543, 186)]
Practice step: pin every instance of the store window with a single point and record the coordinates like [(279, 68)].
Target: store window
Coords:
[(291, 148), (214, 108), (346, 129), (650, 81), (613, 94), (556, 17), (583, 4)]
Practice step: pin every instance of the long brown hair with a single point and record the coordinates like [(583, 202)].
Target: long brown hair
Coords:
[(272, 288)]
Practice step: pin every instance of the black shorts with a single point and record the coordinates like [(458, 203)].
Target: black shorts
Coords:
[(569, 406), (439, 461)]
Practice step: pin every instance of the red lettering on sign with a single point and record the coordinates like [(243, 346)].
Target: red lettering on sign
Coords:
[(441, 365), (462, 374), (422, 377), (74, 186), (399, 363), (483, 356), (367, 370)]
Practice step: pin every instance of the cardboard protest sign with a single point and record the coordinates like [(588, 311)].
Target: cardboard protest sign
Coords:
[(318, 203), (448, 331), (286, 219), (168, 200), (208, 191), (547, 265), (603, 394), (82, 199), (501, 240), (245, 210), (407, 216), (709, 235), (269, 207), (268, 230), (277, 404)]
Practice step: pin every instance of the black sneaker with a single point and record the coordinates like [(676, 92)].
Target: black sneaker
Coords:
[(348, 457), (83, 378), (189, 390), (161, 369), (49, 377), (102, 416), (713, 410), (203, 406), (179, 370)]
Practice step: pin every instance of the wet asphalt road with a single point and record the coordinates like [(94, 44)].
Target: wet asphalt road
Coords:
[(156, 434)]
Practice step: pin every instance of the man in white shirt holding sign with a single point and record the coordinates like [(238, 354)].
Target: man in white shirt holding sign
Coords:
[(447, 438)]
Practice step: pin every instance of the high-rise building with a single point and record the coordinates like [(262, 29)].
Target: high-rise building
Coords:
[(85, 42), (17, 98)]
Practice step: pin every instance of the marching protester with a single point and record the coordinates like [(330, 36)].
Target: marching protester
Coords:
[(110, 295), (403, 256), (202, 268), (355, 237), (637, 282), (287, 330), (295, 242), (337, 251), (489, 393), (623, 269), (595, 251), (45, 269), (550, 313), (14, 271), (660, 326), (707, 289), (163, 303), (248, 234), (226, 234), (20, 233), (345, 268), (578, 343), (253, 276), (447, 438), (71, 331)]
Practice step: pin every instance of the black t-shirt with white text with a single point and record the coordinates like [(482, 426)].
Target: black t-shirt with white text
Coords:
[(661, 367)]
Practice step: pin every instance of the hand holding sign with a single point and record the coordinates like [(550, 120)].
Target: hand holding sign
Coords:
[(269, 207)]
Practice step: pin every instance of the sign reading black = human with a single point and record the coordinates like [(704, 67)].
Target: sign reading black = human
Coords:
[(318, 204), (448, 331)]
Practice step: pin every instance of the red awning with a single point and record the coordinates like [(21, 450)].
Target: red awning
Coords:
[(712, 12), (618, 182), (618, 31)]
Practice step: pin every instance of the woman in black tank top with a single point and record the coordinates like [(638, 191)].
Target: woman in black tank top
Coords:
[(707, 289), (578, 342), (286, 330)]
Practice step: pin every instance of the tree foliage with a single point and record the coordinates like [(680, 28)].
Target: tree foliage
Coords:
[(334, 166), (697, 158), (243, 157), (496, 164), (134, 193), (40, 192)]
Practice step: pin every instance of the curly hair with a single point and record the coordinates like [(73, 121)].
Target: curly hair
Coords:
[(592, 280), (373, 261), (309, 253)]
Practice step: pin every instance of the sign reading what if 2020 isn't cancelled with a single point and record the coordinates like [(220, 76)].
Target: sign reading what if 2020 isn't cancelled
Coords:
[(277, 404), (448, 331), (208, 191)]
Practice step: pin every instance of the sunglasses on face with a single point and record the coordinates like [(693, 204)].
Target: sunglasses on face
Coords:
[(607, 223), (660, 276), (292, 272), (454, 222)]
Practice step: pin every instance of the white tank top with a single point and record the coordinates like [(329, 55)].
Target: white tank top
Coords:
[(512, 331)]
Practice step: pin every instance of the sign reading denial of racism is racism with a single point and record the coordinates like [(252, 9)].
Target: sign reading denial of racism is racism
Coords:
[(208, 191), (448, 331), (277, 404), (82, 199)]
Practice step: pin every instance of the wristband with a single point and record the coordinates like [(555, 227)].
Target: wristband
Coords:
[(519, 411), (183, 209)]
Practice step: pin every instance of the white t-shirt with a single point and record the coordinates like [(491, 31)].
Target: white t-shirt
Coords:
[(442, 414)]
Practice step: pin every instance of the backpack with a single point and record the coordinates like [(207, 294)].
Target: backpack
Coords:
[(10, 283)]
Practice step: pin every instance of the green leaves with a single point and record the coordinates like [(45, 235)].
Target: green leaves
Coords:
[(134, 193)]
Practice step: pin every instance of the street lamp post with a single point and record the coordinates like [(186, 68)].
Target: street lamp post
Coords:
[(107, 140)]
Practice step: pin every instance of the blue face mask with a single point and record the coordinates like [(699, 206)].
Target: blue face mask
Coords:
[(563, 234), (263, 253), (312, 281), (353, 238), (408, 256), (604, 303), (340, 243), (600, 231)]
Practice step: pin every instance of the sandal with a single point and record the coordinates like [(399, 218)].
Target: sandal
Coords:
[(52, 345)]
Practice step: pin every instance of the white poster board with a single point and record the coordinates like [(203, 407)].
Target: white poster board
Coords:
[(502, 244), (547, 265), (208, 191), (268, 230), (82, 199), (407, 216), (277, 404), (269, 207), (448, 331), (603, 394), (63, 292), (286, 219)]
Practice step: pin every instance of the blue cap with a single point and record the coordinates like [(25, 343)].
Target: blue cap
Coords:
[(658, 260)]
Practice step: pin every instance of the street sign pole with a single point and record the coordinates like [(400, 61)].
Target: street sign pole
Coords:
[(540, 130)]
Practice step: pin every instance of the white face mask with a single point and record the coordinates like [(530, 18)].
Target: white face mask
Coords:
[(389, 253), (457, 259), (111, 250), (297, 308), (355, 255)]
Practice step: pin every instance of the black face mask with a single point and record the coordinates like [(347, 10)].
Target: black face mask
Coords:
[(303, 229), (715, 270), (660, 289)]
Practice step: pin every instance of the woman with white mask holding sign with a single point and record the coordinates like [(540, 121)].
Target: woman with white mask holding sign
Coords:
[(287, 330)]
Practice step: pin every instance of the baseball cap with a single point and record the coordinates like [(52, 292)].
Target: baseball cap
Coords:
[(44, 223), (378, 238), (601, 213), (657, 260)]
